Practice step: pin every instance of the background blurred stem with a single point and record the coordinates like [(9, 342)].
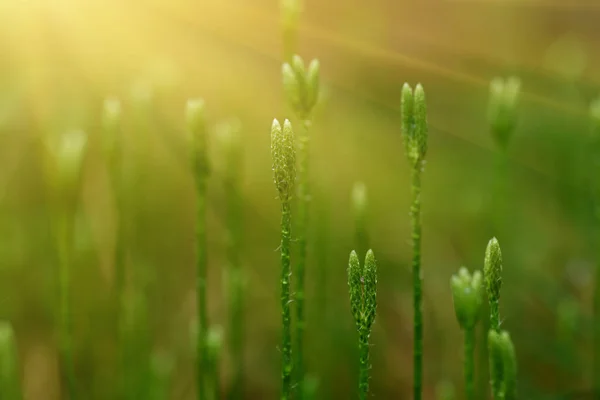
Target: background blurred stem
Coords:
[(65, 246), (304, 199), (470, 363), (10, 378)]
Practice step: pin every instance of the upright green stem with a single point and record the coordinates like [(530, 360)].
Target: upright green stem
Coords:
[(10, 381), (596, 332), (302, 228), (470, 363), (415, 212), (286, 344), (65, 245), (201, 286), (365, 366)]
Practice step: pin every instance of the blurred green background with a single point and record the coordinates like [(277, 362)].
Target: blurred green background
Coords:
[(60, 59)]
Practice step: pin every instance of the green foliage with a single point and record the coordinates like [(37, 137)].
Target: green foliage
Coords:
[(301, 85), (229, 136), (214, 344), (492, 271), (362, 283), (445, 391), (467, 293), (283, 154), (10, 378), (290, 15), (414, 124), (196, 125), (502, 108), (359, 203), (284, 171), (414, 132), (503, 365)]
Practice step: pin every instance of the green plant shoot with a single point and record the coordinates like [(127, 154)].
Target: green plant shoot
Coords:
[(362, 283), (284, 171), (467, 294), (502, 108), (359, 203), (503, 364), (10, 379), (415, 133), (196, 124), (230, 140), (65, 162), (290, 16), (301, 87)]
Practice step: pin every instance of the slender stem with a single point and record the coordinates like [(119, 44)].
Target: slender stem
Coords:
[(470, 363), (596, 331), (594, 165), (286, 342), (65, 237), (201, 287), (415, 212), (365, 366), (236, 289), (494, 315), (302, 228)]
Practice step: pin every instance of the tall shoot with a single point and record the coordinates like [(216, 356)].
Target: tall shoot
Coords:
[(414, 133), (284, 172), (196, 125), (301, 87)]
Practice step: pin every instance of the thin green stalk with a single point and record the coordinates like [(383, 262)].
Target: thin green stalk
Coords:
[(415, 133), (286, 318), (359, 201), (415, 212), (112, 148), (304, 197), (197, 130), (470, 363), (301, 86), (10, 380), (467, 295), (232, 149), (65, 237), (594, 165), (290, 14), (65, 166), (214, 343), (284, 171)]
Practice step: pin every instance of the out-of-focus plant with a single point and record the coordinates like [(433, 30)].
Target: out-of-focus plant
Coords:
[(63, 167), (231, 146), (290, 16), (301, 87), (503, 365), (467, 293), (415, 133), (359, 203), (196, 125), (10, 377)]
